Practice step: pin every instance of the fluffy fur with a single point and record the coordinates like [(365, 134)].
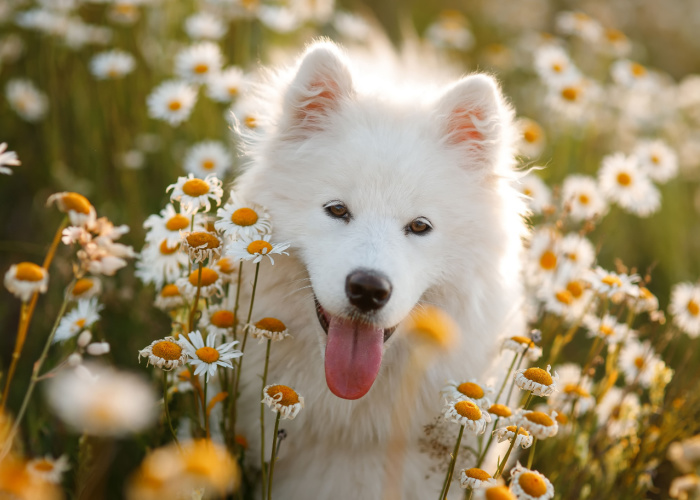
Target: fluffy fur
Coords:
[(391, 151)]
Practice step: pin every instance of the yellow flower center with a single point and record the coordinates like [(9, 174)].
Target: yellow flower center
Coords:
[(166, 250), (207, 354), (527, 192), (226, 265), (638, 70), (244, 217), (479, 474), (271, 325), (28, 271), (259, 247), (499, 493), (195, 187), (538, 375), (576, 389), (533, 484), (523, 340), (693, 307), (174, 105), (468, 410), (575, 288), (606, 330), (80, 322), (112, 73), (639, 362), (233, 91), (177, 222), (557, 67), (612, 280), (655, 159), (537, 417), (645, 293), (167, 350), (570, 93), (624, 179), (201, 238), (289, 395), (76, 202), (44, 465), (532, 133), (614, 35), (584, 199), (201, 68), (562, 419), (170, 291), (500, 410), (564, 296), (208, 164), (548, 260), (471, 390), (81, 286), (209, 277), (222, 319), (521, 431), (250, 121)]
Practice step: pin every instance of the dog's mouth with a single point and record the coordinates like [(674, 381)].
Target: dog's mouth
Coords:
[(353, 353)]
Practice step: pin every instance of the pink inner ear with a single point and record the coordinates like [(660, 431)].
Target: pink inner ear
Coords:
[(323, 95), (461, 128)]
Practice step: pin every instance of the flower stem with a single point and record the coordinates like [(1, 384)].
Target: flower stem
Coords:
[(512, 384), (450, 470), (273, 456), (488, 443), (26, 316), (35, 375), (234, 373), (262, 419), (512, 443), (503, 385), (204, 405), (167, 410), (531, 457), (195, 304)]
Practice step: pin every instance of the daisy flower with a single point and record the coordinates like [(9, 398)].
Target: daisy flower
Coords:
[(537, 380), (270, 329), (206, 357), (451, 31), (80, 211), (7, 158), (246, 115), (577, 254), (498, 492), (539, 424), (583, 198), (530, 485), (227, 269), (218, 320), (25, 279), (538, 193), (566, 298), (524, 439), (631, 74), (351, 26), (26, 100), (198, 62), (638, 362), (657, 160), (85, 288), (685, 307), (169, 298), (500, 411), (531, 140), (255, 249), (112, 64), (210, 284), (619, 413), (606, 328), (645, 301), (280, 19), (622, 181), (195, 194), (227, 85), (578, 24), (201, 246), (85, 314), (172, 101), (611, 284), (455, 391), (101, 401), (475, 478), (283, 400), (168, 225), (520, 344), (241, 219), (208, 157), (160, 263), (48, 468), (553, 65), (543, 255), (574, 389), (203, 25), (468, 414), (573, 97), (167, 353)]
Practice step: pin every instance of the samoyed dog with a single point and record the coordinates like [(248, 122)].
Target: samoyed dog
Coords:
[(393, 194)]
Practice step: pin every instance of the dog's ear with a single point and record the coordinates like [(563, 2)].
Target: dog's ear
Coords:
[(322, 83), (472, 117)]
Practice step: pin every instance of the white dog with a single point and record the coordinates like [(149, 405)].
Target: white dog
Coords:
[(392, 196)]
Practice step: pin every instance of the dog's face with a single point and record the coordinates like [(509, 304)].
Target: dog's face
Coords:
[(375, 200)]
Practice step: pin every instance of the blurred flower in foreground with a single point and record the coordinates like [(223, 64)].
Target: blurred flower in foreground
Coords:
[(18, 482), (112, 64), (685, 307), (28, 102), (173, 473), (203, 25), (25, 279), (7, 158), (432, 324), (49, 469), (499, 492), (101, 401)]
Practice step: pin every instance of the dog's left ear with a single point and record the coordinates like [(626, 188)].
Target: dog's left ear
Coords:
[(322, 83), (472, 117)]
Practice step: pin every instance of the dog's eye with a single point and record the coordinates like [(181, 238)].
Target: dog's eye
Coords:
[(420, 225), (337, 210)]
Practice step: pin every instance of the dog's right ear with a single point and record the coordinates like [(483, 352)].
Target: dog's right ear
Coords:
[(322, 83)]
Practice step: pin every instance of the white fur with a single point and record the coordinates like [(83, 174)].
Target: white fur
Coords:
[(391, 154)]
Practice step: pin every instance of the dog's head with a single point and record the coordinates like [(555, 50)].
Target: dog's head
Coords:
[(382, 200)]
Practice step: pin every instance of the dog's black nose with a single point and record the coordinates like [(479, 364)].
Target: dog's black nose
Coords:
[(367, 290)]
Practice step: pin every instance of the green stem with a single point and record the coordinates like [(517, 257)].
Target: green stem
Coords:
[(532, 453), (502, 466), (167, 410), (512, 384), (505, 380), (488, 444), (262, 418), (273, 456), (195, 305), (204, 405), (450, 470), (229, 406)]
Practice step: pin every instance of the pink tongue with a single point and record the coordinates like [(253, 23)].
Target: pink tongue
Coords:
[(353, 357)]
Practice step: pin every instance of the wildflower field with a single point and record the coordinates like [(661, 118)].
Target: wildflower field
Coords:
[(131, 263)]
